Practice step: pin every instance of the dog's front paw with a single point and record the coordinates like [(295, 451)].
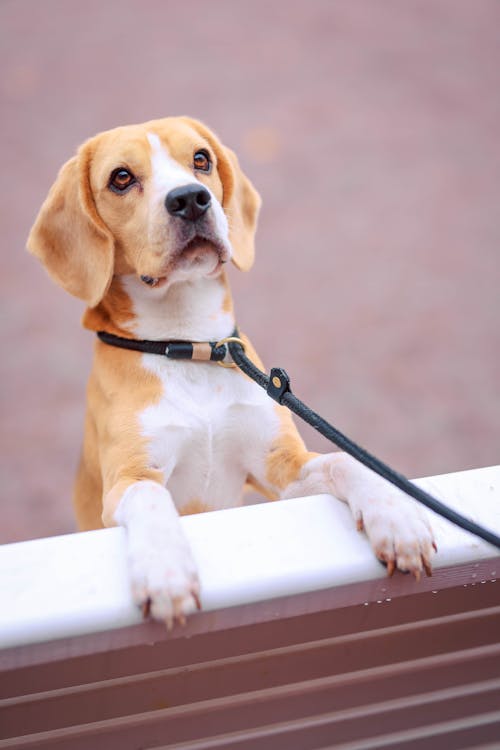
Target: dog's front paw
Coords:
[(163, 572), (399, 532), (165, 582)]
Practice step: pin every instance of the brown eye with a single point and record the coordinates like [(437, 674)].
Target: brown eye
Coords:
[(121, 179), (201, 161)]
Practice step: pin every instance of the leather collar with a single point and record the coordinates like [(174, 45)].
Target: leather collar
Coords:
[(202, 351)]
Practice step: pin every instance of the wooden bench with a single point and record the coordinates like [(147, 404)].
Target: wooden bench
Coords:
[(302, 642)]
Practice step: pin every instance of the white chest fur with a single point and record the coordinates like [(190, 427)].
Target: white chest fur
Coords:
[(210, 430), (212, 427)]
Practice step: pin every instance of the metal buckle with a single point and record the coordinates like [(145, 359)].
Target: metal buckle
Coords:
[(226, 341)]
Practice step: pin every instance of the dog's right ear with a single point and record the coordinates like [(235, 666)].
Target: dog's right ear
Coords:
[(70, 238)]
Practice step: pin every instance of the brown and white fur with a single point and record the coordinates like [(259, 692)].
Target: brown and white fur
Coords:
[(164, 437)]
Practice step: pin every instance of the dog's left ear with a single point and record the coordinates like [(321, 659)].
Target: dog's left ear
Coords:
[(242, 203), (240, 199)]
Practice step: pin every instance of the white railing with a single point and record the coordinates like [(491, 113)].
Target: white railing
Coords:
[(75, 585)]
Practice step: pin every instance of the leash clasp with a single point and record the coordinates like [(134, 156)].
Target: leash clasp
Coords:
[(227, 340), (279, 384)]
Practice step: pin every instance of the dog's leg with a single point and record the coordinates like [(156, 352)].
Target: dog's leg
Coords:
[(396, 526), (163, 572)]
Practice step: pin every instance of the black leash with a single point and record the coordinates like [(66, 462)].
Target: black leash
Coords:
[(277, 385)]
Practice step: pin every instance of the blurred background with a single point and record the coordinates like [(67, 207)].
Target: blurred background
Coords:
[(371, 129)]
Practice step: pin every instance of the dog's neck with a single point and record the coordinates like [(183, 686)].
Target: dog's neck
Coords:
[(197, 310)]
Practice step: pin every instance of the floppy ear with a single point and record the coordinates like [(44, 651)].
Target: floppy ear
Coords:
[(240, 199), (242, 203), (70, 238)]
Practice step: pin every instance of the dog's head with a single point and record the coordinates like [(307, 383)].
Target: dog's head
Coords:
[(164, 200)]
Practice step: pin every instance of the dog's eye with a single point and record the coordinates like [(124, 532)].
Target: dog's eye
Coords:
[(201, 161), (121, 179)]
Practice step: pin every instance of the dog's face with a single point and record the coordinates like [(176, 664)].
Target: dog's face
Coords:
[(163, 200)]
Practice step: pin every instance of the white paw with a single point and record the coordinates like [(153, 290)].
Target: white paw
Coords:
[(399, 532), (164, 582), (396, 525), (163, 573)]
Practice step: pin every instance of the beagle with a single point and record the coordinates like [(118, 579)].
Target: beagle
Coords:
[(139, 225)]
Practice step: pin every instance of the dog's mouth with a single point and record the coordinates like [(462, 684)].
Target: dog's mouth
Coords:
[(153, 280), (200, 256)]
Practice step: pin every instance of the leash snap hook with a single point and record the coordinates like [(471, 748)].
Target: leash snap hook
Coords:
[(279, 384), (227, 340)]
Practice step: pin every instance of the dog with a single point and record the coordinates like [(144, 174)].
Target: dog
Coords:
[(139, 225)]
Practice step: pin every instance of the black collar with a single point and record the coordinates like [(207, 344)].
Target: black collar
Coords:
[(204, 351)]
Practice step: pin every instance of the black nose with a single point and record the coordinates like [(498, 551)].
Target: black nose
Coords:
[(189, 202)]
